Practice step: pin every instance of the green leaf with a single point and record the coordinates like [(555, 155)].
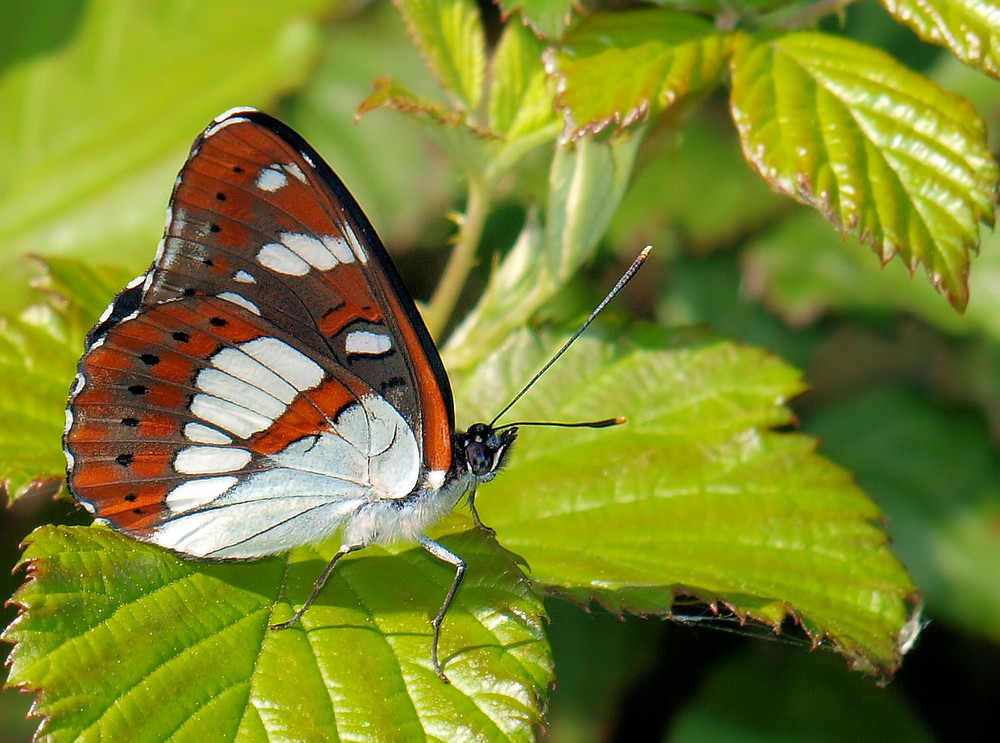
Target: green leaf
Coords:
[(969, 29), (695, 494), (547, 18), (520, 103), (880, 151), (86, 174), (586, 184), (935, 473), (110, 628), (467, 144), (38, 354), (450, 36), (619, 68)]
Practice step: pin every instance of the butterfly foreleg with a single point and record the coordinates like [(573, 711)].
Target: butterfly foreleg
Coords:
[(445, 555), (475, 516), (318, 585)]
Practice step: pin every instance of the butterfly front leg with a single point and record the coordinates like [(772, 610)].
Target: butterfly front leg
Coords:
[(475, 516)]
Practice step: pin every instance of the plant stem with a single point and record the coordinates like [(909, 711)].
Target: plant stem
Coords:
[(449, 288)]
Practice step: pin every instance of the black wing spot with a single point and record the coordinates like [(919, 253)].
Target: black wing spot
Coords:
[(330, 310), (218, 321), (137, 511), (214, 227), (130, 422), (180, 336), (131, 497), (393, 382), (208, 262), (124, 459), (138, 389), (149, 359), (189, 292), (220, 196), (237, 169)]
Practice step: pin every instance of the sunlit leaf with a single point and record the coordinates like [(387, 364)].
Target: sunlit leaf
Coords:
[(880, 151), (111, 627), (695, 494), (618, 68), (969, 29)]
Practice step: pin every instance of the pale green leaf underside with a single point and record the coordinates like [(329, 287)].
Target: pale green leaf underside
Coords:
[(881, 151), (969, 29), (693, 495), (616, 68), (129, 642)]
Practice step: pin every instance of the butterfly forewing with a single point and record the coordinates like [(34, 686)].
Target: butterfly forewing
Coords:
[(257, 211), (269, 374)]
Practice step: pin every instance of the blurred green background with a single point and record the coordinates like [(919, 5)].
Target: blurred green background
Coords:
[(99, 103)]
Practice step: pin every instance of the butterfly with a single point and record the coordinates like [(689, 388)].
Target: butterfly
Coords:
[(269, 382)]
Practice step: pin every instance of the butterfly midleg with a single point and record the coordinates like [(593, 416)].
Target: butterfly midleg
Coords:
[(445, 555), (318, 585)]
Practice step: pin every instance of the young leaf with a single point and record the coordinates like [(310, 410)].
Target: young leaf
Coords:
[(519, 102), (547, 18), (618, 68), (587, 181), (450, 36), (969, 29), (695, 494), (880, 151), (38, 354), (110, 628)]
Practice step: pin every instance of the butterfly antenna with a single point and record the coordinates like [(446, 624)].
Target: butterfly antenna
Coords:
[(622, 282)]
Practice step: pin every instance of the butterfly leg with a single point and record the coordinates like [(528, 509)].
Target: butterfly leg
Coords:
[(318, 585), (445, 555), (475, 517)]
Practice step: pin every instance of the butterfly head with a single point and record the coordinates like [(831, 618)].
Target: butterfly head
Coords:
[(482, 450)]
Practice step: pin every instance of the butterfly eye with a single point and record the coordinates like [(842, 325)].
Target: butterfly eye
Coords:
[(478, 458)]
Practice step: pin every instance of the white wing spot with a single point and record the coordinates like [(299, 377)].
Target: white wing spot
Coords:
[(367, 343), (202, 434), (204, 460), (243, 277), (295, 171), (339, 247), (271, 179), (355, 244), (232, 387), (309, 249), (194, 493), (244, 367), (240, 300), (279, 258), (229, 416), (293, 366)]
